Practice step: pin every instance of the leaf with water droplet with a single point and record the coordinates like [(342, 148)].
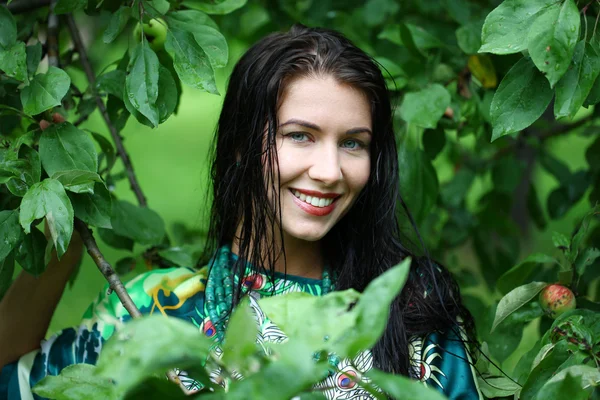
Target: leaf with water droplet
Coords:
[(575, 86), (10, 231), (44, 200), (520, 99), (551, 41), (141, 85)]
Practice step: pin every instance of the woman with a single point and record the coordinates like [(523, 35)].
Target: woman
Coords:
[(305, 182)]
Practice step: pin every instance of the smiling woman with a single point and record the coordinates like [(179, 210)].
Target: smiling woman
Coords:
[(305, 186)]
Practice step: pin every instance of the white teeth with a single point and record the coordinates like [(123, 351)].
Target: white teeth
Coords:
[(312, 200)]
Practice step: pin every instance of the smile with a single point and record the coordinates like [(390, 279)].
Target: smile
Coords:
[(315, 203), (313, 200)]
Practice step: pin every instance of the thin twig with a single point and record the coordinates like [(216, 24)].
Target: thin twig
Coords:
[(22, 6), (105, 268), (52, 40), (89, 72)]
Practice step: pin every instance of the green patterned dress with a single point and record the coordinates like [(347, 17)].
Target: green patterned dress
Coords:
[(439, 361)]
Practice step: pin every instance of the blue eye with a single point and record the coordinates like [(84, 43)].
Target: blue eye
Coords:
[(351, 144), (298, 136)]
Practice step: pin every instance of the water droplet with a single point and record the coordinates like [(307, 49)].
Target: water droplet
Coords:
[(556, 67)]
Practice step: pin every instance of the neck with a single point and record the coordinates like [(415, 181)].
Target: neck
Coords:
[(302, 258)]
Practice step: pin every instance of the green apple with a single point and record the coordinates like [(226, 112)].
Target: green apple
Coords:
[(155, 32)]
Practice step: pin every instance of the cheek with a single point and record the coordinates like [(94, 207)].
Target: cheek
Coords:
[(357, 174)]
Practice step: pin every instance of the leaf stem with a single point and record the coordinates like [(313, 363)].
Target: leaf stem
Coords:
[(89, 72)]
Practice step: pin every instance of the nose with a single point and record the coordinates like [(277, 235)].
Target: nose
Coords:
[(325, 166)]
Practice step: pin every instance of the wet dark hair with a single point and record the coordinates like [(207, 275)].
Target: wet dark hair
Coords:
[(367, 240)]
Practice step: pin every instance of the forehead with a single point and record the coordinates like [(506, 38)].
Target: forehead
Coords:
[(326, 102)]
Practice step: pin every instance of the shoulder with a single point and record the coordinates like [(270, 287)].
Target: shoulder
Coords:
[(442, 361)]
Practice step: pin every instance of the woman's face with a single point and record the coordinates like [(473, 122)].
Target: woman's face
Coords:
[(323, 143)]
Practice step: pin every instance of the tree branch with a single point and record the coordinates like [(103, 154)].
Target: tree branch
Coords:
[(556, 130), (89, 72), (114, 282), (22, 6), (52, 39)]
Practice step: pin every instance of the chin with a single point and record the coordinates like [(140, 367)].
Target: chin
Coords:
[(306, 235)]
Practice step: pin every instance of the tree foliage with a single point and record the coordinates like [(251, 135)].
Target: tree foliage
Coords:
[(485, 86)]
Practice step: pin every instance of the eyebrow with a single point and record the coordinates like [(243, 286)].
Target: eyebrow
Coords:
[(317, 128)]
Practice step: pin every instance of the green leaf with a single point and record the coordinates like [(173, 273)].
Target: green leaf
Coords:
[(552, 39), (184, 256), (107, 149), (140, 224), (161, 6), (555, 167), (48, 199), (294, 366), (29, 172), (189, 20), (141, 83), (239, 344), (566, 386), (586, 258), (7, 268), (69, 6), (507, 173), (117, 23), (8, 28), (547, 367), (372, 310), (150, 345), (77, 181), (506, 26), (213, 43), (156, 389), (497, 386), (112, 82), (469, 37), (76, 382), (109, 237), (63, 147), (583, 228), (191, 63), (166, 102), (517, 274), (45, 91), (219, 8), (418, 181), (402, 387), (515, 299), (434, 141), (30, 253), (125, 265), (574, 87), (592, 155), (34, 56), (10, 231), (453, 193), (329, 316), (594, 96), (425, 107), (560, 241), (13, 61), (520, 100), (94, 209)]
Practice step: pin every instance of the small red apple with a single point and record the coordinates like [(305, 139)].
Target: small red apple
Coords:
[(556, 299)]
